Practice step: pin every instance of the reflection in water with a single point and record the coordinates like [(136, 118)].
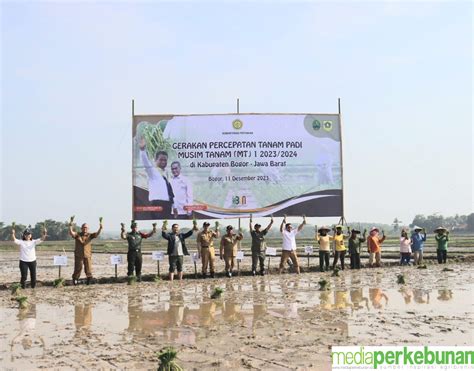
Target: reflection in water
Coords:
[(376, 295), (445, 295), (27, 336)]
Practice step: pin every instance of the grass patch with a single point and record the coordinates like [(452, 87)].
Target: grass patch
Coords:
[(15, 288), (335, 272), (167, 358), (157, 279), (447, 270), (422, 267), (323, 285), (217, 293), (59, 282), (401, 279), (22, 301)]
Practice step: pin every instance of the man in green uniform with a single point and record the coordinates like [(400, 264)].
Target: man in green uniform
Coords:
[(258, 246), (354, 247), (134, 255)]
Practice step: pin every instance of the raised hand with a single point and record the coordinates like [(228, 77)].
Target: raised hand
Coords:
[(165, 225), (304, 219), (122, 225), (284, 218), (251, 218), (271, 218), (71, 220)]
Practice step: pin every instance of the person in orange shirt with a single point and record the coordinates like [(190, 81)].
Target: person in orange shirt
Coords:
[(374, 244)]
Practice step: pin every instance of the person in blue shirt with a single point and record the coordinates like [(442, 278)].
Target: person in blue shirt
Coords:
[(418, 237)]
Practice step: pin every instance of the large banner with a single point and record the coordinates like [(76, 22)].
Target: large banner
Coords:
[(221, 166)]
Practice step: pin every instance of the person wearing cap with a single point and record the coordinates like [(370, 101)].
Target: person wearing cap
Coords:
[(83, 250), (405, 248), (354, 247), (176, 248), (28, 254), (134, 255), (374, 245), (418, 238), (339, 247), (324, 241), (205, 244), (442, 238), (228, 249), (289, 243), (258, 245)]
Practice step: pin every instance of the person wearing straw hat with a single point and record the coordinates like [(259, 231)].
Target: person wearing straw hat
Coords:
[(134, 255), (83, 250), (442, 238), (27, 254), (405, 248), (228, 249), (324, 241), (339, 246), (289, 243), (418, 240), (354, 247), (205, 243), (258, 245), (374, 245)]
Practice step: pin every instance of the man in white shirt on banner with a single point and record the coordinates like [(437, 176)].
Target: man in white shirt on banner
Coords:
[(160, 192), (289, 243), (183, 192)]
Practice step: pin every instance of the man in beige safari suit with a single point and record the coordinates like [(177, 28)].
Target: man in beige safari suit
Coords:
[(83, 251), (205, 245)]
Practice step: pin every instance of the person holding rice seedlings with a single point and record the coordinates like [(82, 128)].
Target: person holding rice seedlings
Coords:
[(83, 250), (134, 255), (289, 243), (405, 248), (258, 245), (354, 247), (205, 244), (228, 249), (339, 248), (442, 238), (160, 191), (374, 245), (27, 254), (418, 240), (324, 241), (176, 248)]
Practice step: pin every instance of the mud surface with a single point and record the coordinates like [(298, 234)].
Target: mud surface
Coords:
[(272, 322)]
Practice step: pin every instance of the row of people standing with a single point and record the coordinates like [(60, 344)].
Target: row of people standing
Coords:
[(176, 249), (415, 244)]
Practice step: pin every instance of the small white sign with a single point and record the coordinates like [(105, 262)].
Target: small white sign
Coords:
[(195, 257), (271, 251), (116, 259), (240, 255), (60, 260), (157, 255), (308, 249)]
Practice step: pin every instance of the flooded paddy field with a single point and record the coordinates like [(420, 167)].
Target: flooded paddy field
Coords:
[(272, 322)]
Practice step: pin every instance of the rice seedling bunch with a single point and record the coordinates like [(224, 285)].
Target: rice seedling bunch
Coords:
[(217, 293), (167, 358)]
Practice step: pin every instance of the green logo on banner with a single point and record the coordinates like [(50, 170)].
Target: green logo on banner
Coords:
[(327, 125), (237, 124), (316, 125)]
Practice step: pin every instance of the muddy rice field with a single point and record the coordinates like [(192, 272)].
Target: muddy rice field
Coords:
[(275, 322)]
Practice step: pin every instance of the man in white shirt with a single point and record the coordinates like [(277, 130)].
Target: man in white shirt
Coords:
[(289, 243), (160, 192), (183, 192)]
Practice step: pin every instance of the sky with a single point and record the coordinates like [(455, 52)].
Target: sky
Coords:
[(69, 71)]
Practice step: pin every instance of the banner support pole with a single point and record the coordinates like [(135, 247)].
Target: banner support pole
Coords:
[(133, 119), (342, 220)]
